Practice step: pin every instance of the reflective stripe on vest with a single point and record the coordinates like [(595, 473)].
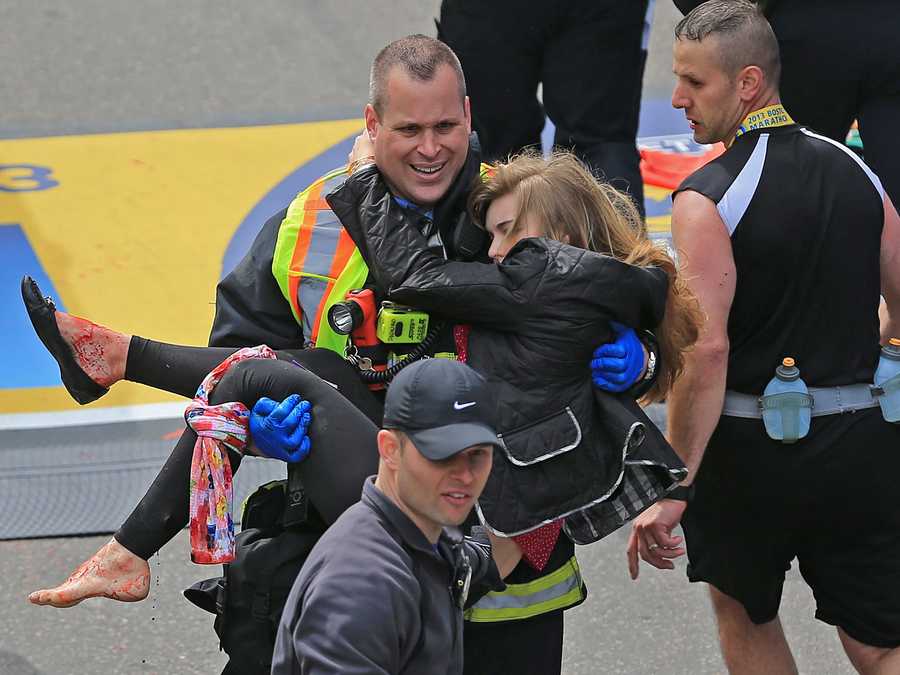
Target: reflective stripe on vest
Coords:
[(353, 275), (556, 590), (311, 252)]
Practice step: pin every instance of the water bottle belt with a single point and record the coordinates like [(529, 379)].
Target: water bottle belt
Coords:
[(825, 401)]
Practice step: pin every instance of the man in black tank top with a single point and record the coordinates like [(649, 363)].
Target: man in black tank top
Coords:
[(787, 239), (841, 63)]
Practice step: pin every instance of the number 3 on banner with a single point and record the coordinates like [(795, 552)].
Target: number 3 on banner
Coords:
[(26, 178)]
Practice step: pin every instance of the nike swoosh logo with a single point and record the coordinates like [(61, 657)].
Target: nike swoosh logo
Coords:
[(460, 406)]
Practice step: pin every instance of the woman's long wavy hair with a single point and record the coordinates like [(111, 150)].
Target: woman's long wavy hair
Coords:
[(563, 195)]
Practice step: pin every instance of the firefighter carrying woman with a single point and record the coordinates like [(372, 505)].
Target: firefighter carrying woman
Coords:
[(572, 270)]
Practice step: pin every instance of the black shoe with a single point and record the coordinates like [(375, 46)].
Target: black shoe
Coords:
[(42, 313)]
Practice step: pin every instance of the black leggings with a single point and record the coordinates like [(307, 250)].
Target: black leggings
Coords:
[(344, 424)]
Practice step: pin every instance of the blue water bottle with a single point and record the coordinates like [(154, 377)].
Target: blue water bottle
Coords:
[(786, 404), (887, 381)]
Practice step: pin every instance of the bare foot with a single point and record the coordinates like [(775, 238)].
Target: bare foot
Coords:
[(99, 351), (112, 572)]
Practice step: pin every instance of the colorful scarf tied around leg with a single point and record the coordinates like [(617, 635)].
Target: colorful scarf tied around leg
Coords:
[(218, 427)]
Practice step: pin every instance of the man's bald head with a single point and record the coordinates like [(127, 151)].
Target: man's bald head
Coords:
[(742, 33)]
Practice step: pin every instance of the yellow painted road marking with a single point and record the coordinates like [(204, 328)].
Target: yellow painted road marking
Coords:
[(133, 236)]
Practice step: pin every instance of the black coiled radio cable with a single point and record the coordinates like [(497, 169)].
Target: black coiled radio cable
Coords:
[(385, 376)]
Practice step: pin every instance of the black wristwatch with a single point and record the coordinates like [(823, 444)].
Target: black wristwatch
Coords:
[(643, 385), (682, 493)]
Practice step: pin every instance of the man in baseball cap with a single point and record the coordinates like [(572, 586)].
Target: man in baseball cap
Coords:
[(377, 580), (438, 428)]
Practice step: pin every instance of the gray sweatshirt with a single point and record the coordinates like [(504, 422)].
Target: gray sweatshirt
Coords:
[(376, 597)]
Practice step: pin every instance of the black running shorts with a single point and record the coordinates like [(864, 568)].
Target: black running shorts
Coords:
[(831, 500)]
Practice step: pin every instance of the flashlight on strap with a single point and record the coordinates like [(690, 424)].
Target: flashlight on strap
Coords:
[(355, 316)]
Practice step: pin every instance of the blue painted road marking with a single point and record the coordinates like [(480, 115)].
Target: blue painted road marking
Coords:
[(30, 365)]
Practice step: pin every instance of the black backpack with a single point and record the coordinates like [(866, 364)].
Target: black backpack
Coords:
[(278, 530)]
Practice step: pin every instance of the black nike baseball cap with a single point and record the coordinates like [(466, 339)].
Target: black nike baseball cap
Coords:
[(443, 406)]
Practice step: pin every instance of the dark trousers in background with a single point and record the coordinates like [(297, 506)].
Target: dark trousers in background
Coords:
[(840, 62), (588, 56)]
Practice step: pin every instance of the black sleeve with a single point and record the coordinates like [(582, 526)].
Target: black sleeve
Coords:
[(407, 270), (539, 278), (250, 309)]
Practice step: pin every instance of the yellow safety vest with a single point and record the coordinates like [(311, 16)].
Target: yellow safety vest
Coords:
[(315, 264), (558, 589)]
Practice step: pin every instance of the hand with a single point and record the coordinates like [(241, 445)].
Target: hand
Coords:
[(651, 536), (617, 365), (279, 429), (363, 149)]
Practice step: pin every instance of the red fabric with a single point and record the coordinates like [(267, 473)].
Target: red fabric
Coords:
[(461, 338), (668, 169), (538, 544)]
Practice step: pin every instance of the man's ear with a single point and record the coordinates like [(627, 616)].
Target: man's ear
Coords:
[(389, 447), (751, 82), (372, 121)]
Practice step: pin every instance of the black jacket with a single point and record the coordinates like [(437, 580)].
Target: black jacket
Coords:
[(375, 598), (537, 318)]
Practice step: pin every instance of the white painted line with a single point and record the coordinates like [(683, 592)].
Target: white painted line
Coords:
[(682, 144), (71, 418)]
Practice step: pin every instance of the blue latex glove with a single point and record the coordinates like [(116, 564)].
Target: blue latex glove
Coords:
[(279, 429), (617, 365)]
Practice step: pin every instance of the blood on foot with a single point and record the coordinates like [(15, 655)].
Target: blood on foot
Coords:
[(92, 345), (90, 352), (99, 576), (130, 590)]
